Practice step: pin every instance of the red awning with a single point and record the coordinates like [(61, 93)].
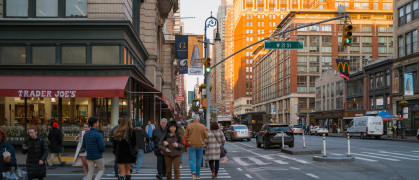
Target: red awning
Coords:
[(62, 86)]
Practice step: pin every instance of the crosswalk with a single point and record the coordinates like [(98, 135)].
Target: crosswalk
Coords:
[(268, 159), (381, 155), (185, 173)]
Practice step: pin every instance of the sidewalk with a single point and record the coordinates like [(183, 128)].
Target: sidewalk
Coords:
[(384, 137)]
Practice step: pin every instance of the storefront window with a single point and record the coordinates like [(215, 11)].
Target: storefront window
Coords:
[(43, 55), (355, 103), (73, 55), (46, 8), (105, 54), (76, 8), (13, 55), (17, 8)]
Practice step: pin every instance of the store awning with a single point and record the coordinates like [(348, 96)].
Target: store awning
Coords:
[(388, 117), (62, 86)]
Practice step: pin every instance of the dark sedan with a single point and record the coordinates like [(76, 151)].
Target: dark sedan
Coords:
[(271, 134)]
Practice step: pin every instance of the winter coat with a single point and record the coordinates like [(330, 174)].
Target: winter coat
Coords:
[(175, 151), (158, 133), (123, 149), (195, 134), (77, 160), (37, 150), (212, 146), (55, 138), (111, 134), (141, 137), (93, 144), (3, 165)]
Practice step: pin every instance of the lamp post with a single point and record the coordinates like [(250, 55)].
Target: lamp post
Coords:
[(209, 22)]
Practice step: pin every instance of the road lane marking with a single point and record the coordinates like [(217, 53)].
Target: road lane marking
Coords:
[(294, 168), (239, 169), (239, 161), (389, 159), (398, 154), (294, 159), (257, 161), (312, 175), (360, 158), (248, 176), (387, 155)]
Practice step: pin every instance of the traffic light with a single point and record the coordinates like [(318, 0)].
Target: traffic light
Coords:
[(347, 34), (207, 65)]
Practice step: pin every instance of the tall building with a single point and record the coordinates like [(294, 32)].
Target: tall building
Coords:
[(406, 63), (295, 71)]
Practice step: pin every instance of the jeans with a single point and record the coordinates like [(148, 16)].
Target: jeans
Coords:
[(181, 159), (100, 165), (216, 167), (52, 157), (176, 164), (195, 159), (139, 159)]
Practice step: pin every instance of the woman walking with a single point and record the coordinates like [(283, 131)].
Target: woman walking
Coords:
[(212, 151), (81, 152), (7, 154), (124, 144), (171, 145), (36, 148)]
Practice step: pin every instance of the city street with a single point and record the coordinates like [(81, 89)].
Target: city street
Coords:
[(375, 159)]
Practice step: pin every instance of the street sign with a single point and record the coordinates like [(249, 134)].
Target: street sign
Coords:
[(199, 60), (284, 44), (180, 98), (195, 71)]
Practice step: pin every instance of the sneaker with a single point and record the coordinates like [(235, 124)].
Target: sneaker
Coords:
[(134, 172), (197, 177), (180, 166), (193, 176)]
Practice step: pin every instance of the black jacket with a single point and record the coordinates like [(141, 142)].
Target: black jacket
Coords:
[(37, 150), (123, 150), (55, 138), (158, 133), (4, 166), (141, 137)]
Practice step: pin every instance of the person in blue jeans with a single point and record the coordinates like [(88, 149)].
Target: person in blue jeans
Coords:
[(141, 138), (195, 135)]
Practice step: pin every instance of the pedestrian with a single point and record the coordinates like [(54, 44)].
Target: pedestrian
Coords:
[(171, 145), (36, 148), (181, 131), (81, 152), (158, 133), (95, 147), (55, 138), (7, 154), (124, 144), (393, 130), (212, 148), (115, 165), (195, 135), (149, 130), (142, 138)]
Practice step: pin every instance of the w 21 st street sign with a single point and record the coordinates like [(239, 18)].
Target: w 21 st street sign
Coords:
[(284, 44)]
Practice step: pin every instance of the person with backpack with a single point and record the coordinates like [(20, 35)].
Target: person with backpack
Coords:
[(36, 148), (141, 138), (171, 145)]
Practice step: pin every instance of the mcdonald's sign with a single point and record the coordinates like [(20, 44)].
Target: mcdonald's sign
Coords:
[(343, 67)]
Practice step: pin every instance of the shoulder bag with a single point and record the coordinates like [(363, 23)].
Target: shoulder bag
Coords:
[(223, 151)]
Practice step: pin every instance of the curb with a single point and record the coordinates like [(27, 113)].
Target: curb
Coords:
[(333, 159), (300, 151)]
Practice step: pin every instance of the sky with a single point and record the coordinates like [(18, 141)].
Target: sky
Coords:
[(201, 10)]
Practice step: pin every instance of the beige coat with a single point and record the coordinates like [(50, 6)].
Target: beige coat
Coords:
[(212, 147)]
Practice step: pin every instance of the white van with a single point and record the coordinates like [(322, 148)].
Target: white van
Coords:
[(366, 126)]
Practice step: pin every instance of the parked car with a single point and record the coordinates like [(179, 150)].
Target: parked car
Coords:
[(319, 130), (297, 129), (271, 134), (237, 132), (366, 126)]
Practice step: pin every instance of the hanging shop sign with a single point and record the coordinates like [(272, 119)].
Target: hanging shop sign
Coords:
[(408, 84), (181, 42)]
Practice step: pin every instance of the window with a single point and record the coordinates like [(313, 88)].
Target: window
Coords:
[(73, 55), (366, 49), (382, 50), (408, 43), (375, 5), (76, 8), (270, 24), (302, 64), (327, 27), (401, 44), (366, 41), (314, 28), (382, 29), (326, 63), (366, 28), (43, 55), (371, 81), (105, 54), (314, 64), (17, 8), (46, 8), (408, 12), (387, 5), (415, 9), (401, 16), (13, 55), (327, 49), (327, 40)]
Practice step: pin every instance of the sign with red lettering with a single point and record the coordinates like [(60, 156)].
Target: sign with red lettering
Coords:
[(179, 96)]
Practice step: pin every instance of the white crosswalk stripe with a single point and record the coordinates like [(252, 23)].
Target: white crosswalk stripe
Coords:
[(358, 158), (385, 152), (377, 157), (251, 161), (392, 156)]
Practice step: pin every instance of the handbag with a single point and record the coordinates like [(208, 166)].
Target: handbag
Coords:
[(223, 151), (184, 141)]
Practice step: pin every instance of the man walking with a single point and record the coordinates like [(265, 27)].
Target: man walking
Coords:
[(55, 138), (141, 138), (158, 133), (195, 136), (94, 146)]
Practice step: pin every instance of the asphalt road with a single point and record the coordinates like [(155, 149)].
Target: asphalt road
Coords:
[(374, 159)]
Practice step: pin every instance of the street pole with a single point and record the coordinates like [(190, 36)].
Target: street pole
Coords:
[(324, 145)]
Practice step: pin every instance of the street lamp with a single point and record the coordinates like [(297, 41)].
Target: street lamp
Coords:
[(209, 22)]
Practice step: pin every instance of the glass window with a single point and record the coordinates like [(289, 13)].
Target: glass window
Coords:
[(73, 55), (401, 16), (415, 41), (381, 50), (366, 49), (415, 9), (327, 27), (17, 8), (401, 44), (13, 55), (408, 12), (46, 8), (76, 8), (408, 44), (43, 55), (105, 54)]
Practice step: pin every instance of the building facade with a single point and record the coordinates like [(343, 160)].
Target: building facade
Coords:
[(406, 64)]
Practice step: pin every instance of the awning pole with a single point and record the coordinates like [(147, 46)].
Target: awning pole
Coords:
[(60, 112), (26, 114), (154, 99)]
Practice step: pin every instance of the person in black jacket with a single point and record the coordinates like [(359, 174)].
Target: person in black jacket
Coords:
[(115, 165), (124, 144), (142, 138), (7, 154), (36, 148), (158, 133), (55, 138)]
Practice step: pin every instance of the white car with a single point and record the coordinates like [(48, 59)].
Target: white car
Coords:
[(319, 130), (297, 129)]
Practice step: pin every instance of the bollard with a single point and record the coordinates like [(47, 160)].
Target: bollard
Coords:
[(304, 141), (349, 145), (324, 145), (283, 140)]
